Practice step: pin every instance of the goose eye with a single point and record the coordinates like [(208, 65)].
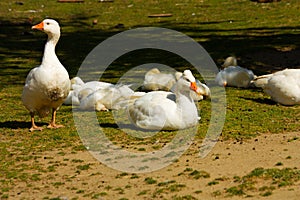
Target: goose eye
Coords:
[(186, 79), (48, 23)]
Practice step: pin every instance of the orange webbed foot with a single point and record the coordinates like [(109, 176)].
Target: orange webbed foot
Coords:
[(35, 128), (54, 126)]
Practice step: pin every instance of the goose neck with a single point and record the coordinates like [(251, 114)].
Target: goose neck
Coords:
[(182, 99), (49, 51)]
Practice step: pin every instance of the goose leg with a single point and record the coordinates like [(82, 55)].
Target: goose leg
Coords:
[(52, 123), (33, 126)]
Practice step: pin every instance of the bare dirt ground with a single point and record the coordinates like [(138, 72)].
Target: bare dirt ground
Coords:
[(77, 175)]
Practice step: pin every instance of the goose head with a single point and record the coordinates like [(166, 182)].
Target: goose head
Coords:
[(229, 61), (187, 82), (203, 89), (49, 26)]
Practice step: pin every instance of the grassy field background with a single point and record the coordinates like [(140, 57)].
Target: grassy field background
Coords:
[(264, 38)]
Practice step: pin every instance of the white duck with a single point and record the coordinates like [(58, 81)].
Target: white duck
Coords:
[(106, 98), (48, 85), (80, 90), (233, 75), (159, 111), (76, 83), (283, 86), (75, 96), (155, 80)]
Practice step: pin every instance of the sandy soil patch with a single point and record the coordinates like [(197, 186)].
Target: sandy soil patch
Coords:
[(77, 175)]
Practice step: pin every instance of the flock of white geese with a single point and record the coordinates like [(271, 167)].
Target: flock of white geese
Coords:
[(168, 104)]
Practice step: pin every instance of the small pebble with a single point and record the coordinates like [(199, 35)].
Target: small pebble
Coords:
[(95, 21)]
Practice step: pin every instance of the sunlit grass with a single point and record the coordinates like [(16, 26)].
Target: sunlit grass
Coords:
[(272, 179), (223, 28)]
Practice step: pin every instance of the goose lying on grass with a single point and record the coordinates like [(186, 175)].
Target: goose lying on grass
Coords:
[(81, 90), (158, 111), (156, 80), (47, 85), (99, 96), (106, 98), (283, 86), (234, 76)]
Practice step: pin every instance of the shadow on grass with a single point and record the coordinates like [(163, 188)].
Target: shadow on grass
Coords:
[(261, 100), (19, 124), (124, 126), (264, 50)]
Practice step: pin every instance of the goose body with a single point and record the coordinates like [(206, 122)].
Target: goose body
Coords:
[(235, 76), (47, 85), (76, 83), (95, 85), (283, 86), (155, 80), (160, 110), (80, 90), (106, 98)]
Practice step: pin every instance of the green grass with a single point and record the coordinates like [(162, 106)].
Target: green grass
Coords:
[(150, 180), (199, 174), (270, 178), (229, 27)]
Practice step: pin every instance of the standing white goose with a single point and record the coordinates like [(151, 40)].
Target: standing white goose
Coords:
[(283, 86), (157, 111), (47, 85)]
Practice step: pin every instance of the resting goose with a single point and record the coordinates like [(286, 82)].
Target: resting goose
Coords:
[(76, 83), (106, 98), (158, 110), (283, 86), (155, 80), (75, 96), (229, 61), (47, 85), (235, 76), (80, 90)]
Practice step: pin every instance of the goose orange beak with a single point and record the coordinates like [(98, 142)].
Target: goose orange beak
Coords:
[(194, 87), (39, 26)]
